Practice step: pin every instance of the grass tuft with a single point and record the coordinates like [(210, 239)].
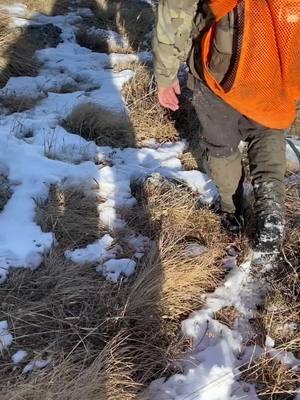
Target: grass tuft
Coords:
[(105, 127), (273, 379), (14, 104), (16, 52), (91, 40), (72, 216)]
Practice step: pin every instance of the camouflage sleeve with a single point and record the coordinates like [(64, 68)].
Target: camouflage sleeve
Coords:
[(172, 38)]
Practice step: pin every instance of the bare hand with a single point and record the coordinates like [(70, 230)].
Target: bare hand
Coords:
[(168, 96)]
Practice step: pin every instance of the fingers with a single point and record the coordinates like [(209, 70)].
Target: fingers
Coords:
[(170, 106), (167, 103), (168, 96)]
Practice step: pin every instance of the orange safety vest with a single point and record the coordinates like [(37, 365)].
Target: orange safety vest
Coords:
[(267, 80)]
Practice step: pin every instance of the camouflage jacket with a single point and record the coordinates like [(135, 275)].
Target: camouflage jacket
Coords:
[(178, 28)]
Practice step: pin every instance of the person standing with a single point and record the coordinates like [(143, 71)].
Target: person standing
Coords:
[(244, 70)]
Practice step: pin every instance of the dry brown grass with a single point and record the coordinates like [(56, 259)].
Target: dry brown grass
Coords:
[(227, 316), (148, 118), (72, 216), (66, 88), (74, 319), (5, 192), (105, 127), (93, 41), (16, 52), (49, 7), (174, 205), (167, 213), (13, 104), (169, 284), (189, 161), (104, 340), (130, 18), (180, 280), (108, 341), (282, 321), (274, 380)]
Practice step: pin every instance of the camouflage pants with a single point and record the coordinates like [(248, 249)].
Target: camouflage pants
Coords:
[(222, 130)]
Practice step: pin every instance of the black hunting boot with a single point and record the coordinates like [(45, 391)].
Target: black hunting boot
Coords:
[(267, 161), (269, 232), (228, 175), (232, 222), (268, 240)]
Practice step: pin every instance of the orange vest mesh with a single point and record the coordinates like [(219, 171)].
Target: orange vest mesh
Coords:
[(267, 81)]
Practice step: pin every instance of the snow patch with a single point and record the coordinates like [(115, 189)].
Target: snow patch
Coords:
[(19, 356), (5, 336), (35, 365), (114, 269), (98, 252)]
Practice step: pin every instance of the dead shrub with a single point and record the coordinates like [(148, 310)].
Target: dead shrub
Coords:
[(105, 127), (141, 86)]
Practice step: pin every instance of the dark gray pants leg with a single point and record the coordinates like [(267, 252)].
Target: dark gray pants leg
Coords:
[(219, 138), (267, 161)]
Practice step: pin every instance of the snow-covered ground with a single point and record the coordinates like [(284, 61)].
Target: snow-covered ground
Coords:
[(36, 152)]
